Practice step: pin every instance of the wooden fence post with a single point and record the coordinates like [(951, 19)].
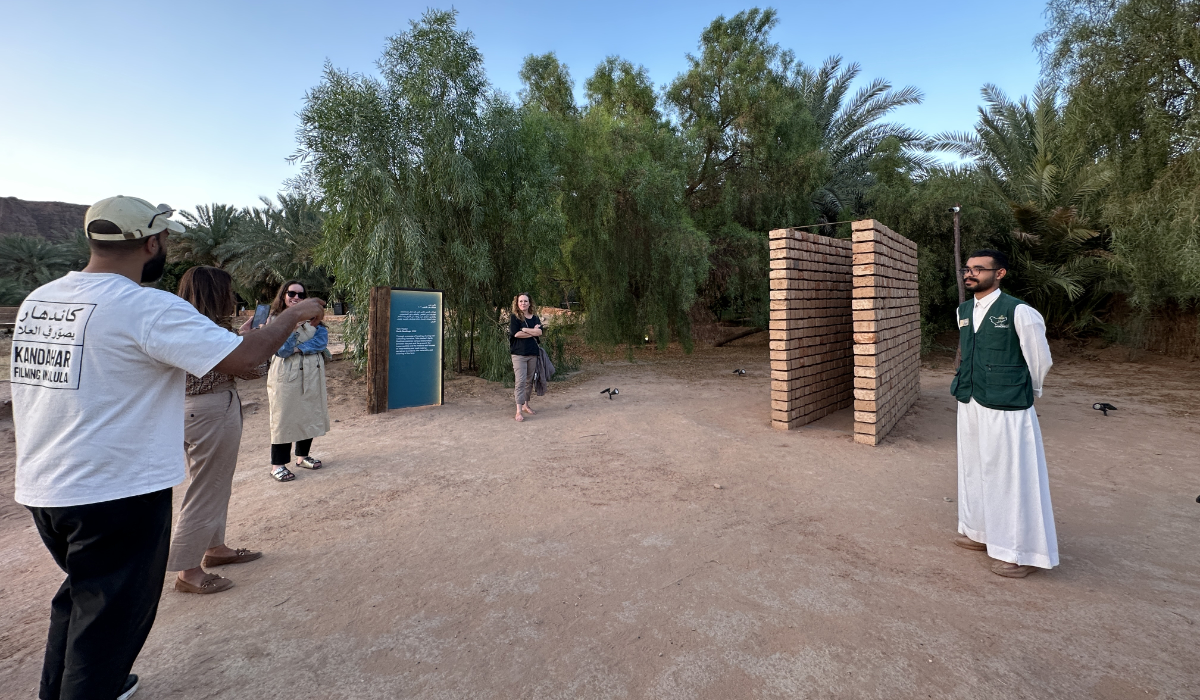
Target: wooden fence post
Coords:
[(378, 328)]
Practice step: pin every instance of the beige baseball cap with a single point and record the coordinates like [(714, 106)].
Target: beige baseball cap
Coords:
[(124, 218)]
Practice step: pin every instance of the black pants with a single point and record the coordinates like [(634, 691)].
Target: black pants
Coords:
[(282, 453), (115, 557)]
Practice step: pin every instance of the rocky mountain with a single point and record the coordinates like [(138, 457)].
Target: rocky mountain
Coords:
[(52, 220)]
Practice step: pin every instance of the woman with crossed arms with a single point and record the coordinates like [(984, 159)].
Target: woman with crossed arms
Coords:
[(524, 328)]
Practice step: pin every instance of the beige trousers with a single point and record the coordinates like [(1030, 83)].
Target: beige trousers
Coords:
[(212, 433), (524, 366)]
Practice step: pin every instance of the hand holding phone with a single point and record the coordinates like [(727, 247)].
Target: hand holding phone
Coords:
[(261, 313)]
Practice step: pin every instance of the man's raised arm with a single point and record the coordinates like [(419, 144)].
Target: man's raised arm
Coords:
[(258, 345)]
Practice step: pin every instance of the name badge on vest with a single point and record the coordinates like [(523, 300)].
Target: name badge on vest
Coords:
[(962, 322)]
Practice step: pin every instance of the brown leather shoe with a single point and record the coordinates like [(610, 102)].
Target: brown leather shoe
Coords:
[(240, 556), (211, 584), (968, 543), (1010, 570)]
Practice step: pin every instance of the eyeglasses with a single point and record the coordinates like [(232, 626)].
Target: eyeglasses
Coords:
[(300, 295), (977, 270)]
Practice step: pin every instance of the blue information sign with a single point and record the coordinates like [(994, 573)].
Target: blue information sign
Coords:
[(415, 352)]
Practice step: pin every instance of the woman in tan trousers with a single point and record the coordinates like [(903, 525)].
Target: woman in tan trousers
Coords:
[(212, 434), (524, 329)]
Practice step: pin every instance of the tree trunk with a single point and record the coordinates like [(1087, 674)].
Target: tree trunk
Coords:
[(471, 356), (740, 334), (378, 327), (962, 291)]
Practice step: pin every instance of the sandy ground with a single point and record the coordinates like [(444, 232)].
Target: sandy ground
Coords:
[(451, 553)]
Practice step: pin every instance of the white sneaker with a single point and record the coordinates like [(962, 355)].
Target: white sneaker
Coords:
[(130, 687)]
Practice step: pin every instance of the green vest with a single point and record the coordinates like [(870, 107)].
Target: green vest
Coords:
[(993, 369)]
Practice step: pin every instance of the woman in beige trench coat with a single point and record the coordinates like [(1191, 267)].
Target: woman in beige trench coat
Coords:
[(296, 389)]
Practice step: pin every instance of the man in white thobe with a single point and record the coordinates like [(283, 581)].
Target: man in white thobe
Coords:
[(1003, 488)]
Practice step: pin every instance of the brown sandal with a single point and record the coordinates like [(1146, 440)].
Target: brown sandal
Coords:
[(240, 556), (1010, 570), (211, 584), (968, 543)]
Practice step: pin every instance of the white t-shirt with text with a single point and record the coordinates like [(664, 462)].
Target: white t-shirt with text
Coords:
[(98, 371)]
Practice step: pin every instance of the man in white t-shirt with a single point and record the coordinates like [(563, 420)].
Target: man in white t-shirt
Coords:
[(98, 373)]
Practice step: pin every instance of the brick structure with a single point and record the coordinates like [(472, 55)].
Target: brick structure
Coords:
[(845, 328), (887, 329), (811, 358)]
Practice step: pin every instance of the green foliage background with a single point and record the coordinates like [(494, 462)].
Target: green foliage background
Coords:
[(645, 205)]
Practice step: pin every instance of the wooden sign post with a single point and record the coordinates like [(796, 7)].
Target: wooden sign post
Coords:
[(378, 326)]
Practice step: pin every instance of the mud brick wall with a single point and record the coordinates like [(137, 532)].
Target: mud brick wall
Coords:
[(887, 329), (811, 343)]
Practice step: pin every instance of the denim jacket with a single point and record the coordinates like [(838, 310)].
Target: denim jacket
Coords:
[(312, 346)]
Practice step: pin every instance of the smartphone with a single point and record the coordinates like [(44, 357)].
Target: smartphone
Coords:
[(260, 315)]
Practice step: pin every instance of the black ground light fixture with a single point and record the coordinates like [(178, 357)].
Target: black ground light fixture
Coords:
[(611, 393), (1105, 407)]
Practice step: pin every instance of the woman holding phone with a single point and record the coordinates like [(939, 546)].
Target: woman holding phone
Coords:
[(524, 329), (212, 433), (296, 388)]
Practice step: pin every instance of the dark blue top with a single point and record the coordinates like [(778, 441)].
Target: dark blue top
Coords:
[(522, 346)]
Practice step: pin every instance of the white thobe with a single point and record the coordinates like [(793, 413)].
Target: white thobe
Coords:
[(1003, 486)]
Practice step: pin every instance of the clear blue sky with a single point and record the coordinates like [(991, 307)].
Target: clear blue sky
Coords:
[(189, 103)]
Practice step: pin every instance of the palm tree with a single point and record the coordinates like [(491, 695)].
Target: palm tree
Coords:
[(1024, 158), (27, 262), (12, 292), (851, 131), (276, 243), (207, 230)]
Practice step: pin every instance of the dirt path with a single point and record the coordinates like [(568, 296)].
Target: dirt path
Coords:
[(451, 553)]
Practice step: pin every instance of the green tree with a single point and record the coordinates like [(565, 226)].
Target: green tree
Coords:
[(753, 145), (412, 167), (630, 247), (28, 262), (206, 233), (519, 218), (1131, 71), (207, 230), (1026, 160), (548, 85), (622, 90), (914, 199), (274, 243), (774, 143), (1156, 238), (753, 152), (12, 292), (851, 131)]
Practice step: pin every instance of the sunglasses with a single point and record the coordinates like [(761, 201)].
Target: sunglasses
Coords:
[(168, 212), (302, 295)]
